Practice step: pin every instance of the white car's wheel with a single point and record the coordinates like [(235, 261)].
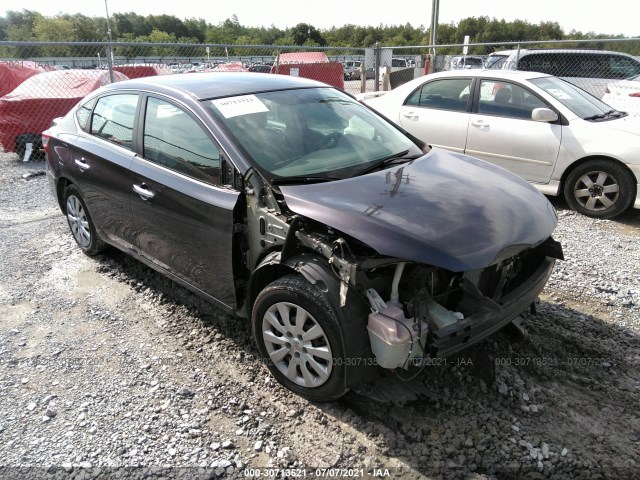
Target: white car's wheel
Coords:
[(599, 188)]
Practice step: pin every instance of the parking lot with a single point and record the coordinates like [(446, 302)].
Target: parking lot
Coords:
[(106, 364)]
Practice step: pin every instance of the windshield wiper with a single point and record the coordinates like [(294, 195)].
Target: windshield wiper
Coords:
[(397, 157), (610, 113), (301, 179)]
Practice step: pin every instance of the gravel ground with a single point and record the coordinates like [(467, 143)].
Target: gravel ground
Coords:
[(108, 370)]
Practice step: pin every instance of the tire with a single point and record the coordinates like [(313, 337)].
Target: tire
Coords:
[(599, 188), (21, 144), (80, 223), (318, 375)]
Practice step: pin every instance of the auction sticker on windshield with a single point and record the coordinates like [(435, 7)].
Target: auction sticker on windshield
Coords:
[(243, 105)]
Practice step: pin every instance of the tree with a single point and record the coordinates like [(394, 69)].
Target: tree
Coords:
[(196, 28), (87, 28), (54, 29), (130, 23), (303, 32)]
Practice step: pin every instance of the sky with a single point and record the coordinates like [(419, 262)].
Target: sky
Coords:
[(581, 15)]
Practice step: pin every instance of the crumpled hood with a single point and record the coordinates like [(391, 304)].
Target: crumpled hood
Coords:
[(443, 209)]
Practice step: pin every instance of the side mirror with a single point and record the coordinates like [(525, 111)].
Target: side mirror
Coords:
[(544, 115)]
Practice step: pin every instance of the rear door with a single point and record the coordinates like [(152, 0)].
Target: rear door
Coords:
[(100, 160), (183, 215), (501, 131)]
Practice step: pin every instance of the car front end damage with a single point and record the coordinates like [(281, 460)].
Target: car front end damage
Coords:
[(429, 311), (397, 310)]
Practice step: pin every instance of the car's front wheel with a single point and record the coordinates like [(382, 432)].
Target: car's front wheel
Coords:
[(80, 223), (599, 188), (300, 338)]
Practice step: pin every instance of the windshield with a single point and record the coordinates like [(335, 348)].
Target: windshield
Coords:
[(318, 132), (582, 103)]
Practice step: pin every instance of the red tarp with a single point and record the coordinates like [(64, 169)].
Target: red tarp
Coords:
[(303, 57), (228, 67), (30, 108), (139, 71), (13, 74), (331, 72)]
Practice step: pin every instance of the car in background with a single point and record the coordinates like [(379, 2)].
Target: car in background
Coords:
[(590, 70), (30, 107), (467, 62), (399, 63), (142, 70), (550, 132), (624, 95), (353, 71), (285, 201), (13, 73), (260, 68), (228, 67)]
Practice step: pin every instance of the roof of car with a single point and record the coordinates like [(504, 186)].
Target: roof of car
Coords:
[(216, 84), (556, 50), (502, 74)]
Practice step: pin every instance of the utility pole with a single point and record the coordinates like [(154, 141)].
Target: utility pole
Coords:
[(435, 11), (110, 48)]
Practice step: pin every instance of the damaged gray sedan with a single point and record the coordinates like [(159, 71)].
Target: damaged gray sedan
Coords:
[(350, 246)]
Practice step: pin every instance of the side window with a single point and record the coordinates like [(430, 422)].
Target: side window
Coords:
[(446, 94), (623, 67), (83, 113), (550, 63), (507, 100), (173, 139), (113, 119)]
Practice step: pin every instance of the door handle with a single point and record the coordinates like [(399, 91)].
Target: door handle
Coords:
[(480, 124), (143, 191), (410, 114), (82, 164)]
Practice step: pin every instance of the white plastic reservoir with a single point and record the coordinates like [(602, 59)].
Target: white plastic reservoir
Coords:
[(395, 339)]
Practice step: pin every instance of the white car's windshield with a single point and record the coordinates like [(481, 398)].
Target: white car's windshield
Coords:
[(318, 132), (575, 99)]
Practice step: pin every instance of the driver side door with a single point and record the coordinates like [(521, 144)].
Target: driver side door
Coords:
[(183, 215)]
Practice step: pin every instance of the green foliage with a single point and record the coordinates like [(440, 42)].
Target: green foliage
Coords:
[(126, 27)]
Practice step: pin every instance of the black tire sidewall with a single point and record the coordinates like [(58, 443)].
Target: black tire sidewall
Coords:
[(95, 245), (296, 290), (622, 177), (23, 139)]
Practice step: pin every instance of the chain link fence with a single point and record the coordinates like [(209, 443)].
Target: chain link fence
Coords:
[(40, 81)]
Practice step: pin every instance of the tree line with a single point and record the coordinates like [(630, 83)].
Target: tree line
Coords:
[(28, 25)]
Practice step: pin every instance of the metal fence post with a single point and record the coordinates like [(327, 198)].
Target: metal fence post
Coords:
[(376, 67), (109, 51)]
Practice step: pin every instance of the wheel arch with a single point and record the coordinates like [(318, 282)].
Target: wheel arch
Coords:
[(581, 161), (61, 186)]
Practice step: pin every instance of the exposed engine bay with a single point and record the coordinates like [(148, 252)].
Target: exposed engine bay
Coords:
[(417, 311)]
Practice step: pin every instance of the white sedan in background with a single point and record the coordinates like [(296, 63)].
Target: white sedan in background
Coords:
[(624, 95), (558, 137)]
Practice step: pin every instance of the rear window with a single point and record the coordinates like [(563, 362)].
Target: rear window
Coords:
[(583, 64)]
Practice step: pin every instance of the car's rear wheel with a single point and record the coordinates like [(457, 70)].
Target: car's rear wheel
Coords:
[(298, 335), (599, 188), (80, 223)]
